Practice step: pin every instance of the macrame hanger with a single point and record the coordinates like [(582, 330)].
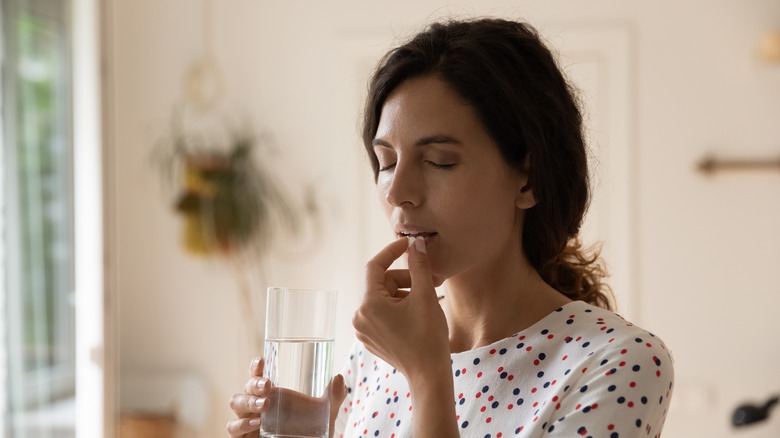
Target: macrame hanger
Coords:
[(203, 84)]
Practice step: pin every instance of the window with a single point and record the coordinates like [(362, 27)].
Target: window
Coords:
[(36, 253)]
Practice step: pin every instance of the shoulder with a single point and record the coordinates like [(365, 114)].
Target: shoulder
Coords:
[(623, 351), (616, 336)]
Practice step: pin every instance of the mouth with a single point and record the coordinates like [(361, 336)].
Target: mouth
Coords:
[(425, 235)]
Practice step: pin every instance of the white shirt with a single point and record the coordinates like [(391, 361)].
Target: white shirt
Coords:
[(579, 371)]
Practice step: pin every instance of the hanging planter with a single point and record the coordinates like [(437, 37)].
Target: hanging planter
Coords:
[(229, 203)]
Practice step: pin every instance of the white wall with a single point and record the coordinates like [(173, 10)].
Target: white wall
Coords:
[(706, 248)]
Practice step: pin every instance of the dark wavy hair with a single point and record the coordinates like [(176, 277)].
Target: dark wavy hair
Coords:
[(511, 79)]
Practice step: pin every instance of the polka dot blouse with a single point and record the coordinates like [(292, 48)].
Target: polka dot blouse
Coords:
[(579, 371)]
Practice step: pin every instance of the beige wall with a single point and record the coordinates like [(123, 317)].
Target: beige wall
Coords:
[(706, 248)]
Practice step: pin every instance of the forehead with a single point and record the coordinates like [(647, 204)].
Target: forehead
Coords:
[(424, 105)]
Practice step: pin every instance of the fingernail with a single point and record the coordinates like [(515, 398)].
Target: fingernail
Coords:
[(419, 245), (254, 422), (255, 362), (260, 402), (262, 383)]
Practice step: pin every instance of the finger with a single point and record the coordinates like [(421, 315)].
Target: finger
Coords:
[(420, 269), (396, 279), (242, 426), (256, 367), (401, 278), (245, 405), (377, 266), (338, 392), (259, 386)]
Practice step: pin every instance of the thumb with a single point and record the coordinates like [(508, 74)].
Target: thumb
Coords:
[(337, 392), (420, 268)]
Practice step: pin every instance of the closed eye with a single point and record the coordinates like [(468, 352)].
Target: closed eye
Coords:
[(441, 165), (386, 168)]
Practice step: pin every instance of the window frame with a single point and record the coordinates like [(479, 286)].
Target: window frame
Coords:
[(36, 388)]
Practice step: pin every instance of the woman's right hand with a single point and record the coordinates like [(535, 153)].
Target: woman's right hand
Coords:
[(259, 395), (249, 405)]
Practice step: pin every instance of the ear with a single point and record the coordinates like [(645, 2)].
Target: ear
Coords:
[(525, 194)]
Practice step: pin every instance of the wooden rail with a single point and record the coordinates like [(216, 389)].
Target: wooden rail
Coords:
[(711, 165)]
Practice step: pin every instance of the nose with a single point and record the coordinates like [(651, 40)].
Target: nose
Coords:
[(403, 186)]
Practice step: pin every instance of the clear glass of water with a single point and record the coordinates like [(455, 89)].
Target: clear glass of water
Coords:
[(299, 332)]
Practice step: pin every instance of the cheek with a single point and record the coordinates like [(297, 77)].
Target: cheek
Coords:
[(381, 196)]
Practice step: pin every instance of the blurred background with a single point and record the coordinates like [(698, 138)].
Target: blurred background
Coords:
[(124, 305)]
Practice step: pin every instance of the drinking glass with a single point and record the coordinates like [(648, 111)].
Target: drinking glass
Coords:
[(299, 332)]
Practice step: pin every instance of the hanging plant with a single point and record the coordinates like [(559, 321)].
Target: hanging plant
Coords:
[(229, 203)]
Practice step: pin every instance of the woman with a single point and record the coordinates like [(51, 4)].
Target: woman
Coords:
[(476, 143)]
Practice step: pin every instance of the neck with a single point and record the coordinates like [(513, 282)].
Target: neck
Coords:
[(482, 308)]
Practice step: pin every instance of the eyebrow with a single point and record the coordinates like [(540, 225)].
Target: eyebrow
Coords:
[(433, 139)]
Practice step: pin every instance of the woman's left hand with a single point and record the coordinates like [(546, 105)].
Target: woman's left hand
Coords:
[(408, 330)]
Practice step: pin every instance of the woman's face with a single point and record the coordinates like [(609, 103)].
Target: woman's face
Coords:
[(442, 177)]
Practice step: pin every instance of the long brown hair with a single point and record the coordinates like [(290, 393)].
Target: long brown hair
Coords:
[(515, 86)]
